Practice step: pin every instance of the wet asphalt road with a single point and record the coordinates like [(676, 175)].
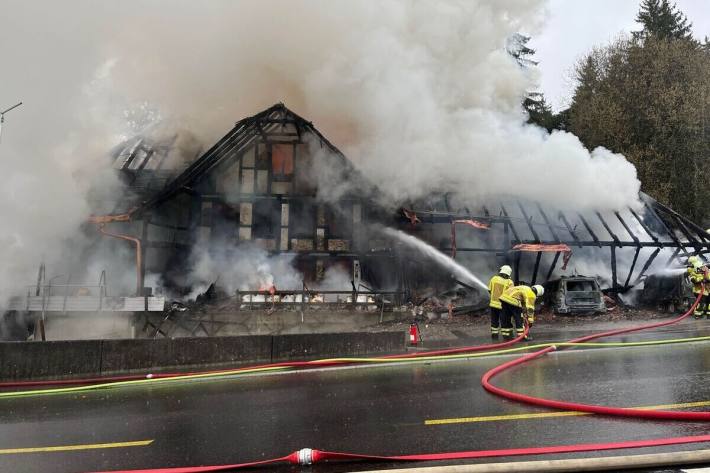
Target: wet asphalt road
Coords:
[(375, 410)]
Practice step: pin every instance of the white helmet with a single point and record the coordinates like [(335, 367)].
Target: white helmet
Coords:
[(505, 269), (539, 290), (694, 261)]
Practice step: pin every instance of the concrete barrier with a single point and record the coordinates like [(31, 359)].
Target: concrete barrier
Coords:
[(142, 354), (71, 358), (27, 360), (310, 346)]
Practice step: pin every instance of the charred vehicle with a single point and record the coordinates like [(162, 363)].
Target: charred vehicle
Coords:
[(576, 295), (667, 292)]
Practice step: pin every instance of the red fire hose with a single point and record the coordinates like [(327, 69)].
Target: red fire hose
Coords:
[(289, 364), (596, 409), (308, 456)]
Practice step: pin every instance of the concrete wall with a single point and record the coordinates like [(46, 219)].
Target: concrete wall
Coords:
[(89, 325), (57, 359)]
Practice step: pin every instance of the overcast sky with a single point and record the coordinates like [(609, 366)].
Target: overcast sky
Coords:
[(575, 26)]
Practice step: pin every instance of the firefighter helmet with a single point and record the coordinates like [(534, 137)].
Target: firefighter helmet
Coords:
[(505, 269), (539, 290)]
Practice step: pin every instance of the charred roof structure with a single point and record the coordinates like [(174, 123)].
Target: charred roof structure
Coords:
[(523, 233), (263, 184)]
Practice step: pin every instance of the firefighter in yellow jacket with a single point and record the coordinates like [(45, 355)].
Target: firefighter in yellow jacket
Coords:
[(699, 278), (515, 300), (496, 286)]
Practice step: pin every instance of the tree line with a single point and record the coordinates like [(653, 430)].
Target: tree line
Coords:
[(645, 96)]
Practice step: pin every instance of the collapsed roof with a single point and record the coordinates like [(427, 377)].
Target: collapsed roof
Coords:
[(507, 229)]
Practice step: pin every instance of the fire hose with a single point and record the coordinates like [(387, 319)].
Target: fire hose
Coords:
[(308, 456), (118, 382), (591, 408), (435, 354)]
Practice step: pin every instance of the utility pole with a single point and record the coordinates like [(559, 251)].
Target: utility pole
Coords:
[(2, 117)]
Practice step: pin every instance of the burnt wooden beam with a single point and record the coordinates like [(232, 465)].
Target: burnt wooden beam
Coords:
[(626, 227), (552, 266), (614, 283), (606, 226), (547, 221), (516, 266), (631, 270), (643, 225), (693, 241), (670, 232), (646, 266), (528, 221), (689, 224), (512, 227), (589, 229), (569, 228), (536, 267)]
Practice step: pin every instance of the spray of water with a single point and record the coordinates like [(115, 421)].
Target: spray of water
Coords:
[(670, 271), (432, 253)]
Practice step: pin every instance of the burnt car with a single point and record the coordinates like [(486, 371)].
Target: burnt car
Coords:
[(575, 295), (667, 292)]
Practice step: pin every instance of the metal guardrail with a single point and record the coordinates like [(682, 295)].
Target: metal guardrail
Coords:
[(81, 298), (307, 299)]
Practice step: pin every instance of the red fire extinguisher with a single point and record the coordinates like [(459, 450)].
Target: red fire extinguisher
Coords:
[(413, 333)]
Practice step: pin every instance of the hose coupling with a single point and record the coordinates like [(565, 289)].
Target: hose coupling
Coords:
[(305, 456)]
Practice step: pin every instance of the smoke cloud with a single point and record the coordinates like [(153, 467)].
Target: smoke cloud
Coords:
[(421, 96)]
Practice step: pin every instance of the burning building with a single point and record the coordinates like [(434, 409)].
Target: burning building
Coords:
[(274, 205)]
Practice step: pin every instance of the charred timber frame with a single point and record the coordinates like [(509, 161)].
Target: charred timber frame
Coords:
[(664, 227), (673, 232)]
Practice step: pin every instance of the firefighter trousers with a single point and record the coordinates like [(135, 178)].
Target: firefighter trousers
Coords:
[(512, 320), (496, 316), (703, 307)]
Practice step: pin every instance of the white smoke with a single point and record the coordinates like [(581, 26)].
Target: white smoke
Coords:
[(421, 96), (244, 268)]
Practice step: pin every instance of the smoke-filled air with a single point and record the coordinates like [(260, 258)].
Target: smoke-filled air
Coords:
[(420, 96)]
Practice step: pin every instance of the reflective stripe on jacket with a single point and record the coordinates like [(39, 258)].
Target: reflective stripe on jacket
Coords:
[(496, 286), (523, 297), (696, 276)]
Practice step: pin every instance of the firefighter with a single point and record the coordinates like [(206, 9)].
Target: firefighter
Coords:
[(697, 274), (514, 301), (498, 283)]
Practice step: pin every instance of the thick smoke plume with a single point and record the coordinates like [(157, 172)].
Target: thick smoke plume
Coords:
[(421, 96)]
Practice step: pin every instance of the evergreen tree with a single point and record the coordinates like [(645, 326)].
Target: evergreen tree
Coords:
[(662, 20), (539, 112), (519, 49), (647, 100)]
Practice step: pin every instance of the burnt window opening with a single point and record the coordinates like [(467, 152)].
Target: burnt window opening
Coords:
[(307, 268), (266, 218), (282, 162), (302, 218), (262, 157), (574, 286), (224, 218), (340, 221)]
